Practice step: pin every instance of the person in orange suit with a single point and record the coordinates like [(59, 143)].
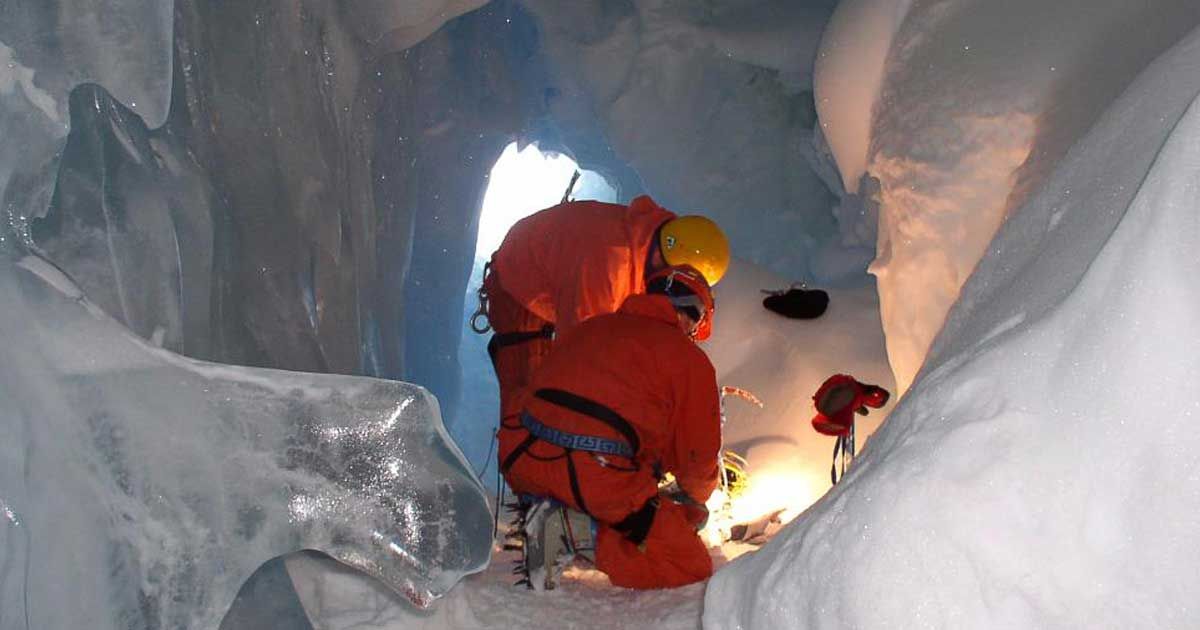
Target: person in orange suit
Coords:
[(620, 401), (565, 264)]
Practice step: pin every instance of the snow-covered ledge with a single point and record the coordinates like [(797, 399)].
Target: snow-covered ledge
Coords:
[(1044, 470)]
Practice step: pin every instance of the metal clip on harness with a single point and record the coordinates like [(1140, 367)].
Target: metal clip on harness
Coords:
[(481, 312)]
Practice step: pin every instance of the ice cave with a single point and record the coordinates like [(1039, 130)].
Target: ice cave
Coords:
[(242, 242)]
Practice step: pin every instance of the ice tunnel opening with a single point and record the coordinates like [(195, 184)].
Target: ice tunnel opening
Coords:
[(522, 181)]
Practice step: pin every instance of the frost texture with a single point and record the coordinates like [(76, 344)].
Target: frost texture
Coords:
[(139, 489)]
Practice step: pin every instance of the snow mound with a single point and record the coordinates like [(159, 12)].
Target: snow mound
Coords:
[(1044, 470)]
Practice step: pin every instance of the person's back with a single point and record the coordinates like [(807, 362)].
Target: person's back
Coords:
[(578, 259), (630, 380), (637, 363)]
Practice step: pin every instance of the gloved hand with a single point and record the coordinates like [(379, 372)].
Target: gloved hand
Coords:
[(696, 512)]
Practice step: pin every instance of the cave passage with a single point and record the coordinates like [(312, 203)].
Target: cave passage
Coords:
[(523, 181)]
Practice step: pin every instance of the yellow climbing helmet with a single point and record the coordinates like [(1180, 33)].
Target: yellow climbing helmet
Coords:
[(697, 241)]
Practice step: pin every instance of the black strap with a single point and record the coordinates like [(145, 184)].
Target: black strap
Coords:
[(636, 526), (502, 340), (575, 489), (517, 452), (594, 409)]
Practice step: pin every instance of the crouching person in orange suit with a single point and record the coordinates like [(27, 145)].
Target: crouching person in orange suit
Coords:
[(562, 265), (621, 400)]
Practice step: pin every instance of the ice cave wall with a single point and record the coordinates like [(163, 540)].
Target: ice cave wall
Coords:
[(265, 213), (296, 184), (974, 104), (711, 104)]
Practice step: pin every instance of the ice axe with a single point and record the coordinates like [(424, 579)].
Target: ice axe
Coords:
[(570, 187)]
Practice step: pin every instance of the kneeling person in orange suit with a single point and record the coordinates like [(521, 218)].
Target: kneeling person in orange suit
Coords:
[(621, 400)]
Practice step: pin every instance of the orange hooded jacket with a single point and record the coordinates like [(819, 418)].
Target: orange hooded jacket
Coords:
[(578, 259), (638, 363)]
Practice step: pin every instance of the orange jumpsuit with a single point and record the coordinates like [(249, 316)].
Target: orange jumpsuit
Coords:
[(561, 266), (638, 363)]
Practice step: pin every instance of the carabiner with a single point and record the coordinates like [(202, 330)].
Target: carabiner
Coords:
[(476, 326), (481, 312)]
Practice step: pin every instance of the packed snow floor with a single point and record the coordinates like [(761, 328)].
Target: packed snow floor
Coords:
[(338, 598)]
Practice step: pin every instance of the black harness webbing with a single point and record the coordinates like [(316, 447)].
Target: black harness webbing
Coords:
[(594, 409), (581, 405), (503, 340), (636, 524), (517, 452), (575, 489)]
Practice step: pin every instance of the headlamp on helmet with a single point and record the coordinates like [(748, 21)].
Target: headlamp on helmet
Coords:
[(689, 293)]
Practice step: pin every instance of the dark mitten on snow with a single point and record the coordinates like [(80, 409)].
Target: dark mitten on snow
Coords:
[(798, 303)]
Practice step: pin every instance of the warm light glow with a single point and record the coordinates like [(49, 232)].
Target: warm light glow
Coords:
[(766, 492)]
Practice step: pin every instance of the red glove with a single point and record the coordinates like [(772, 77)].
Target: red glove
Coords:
[(839, 398)]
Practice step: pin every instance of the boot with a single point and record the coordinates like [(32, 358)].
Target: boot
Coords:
[(542, 544), (552, 536), (580, 536)]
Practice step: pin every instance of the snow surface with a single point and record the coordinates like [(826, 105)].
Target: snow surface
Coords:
[(138, 488), (1043, 471), (783, 361), (339, 599)]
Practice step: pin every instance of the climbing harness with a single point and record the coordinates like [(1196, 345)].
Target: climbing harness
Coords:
[(547, 532), (572, 443)]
